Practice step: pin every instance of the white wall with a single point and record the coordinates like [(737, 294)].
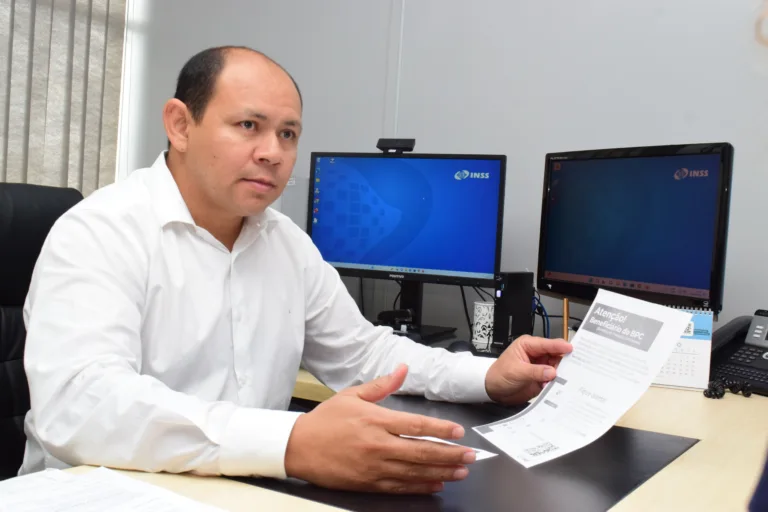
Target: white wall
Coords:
[(514, 77), (337, 51), (525, 78)]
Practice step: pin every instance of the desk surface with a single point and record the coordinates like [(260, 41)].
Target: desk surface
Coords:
[(309, 388), (591, 479), (718, 473)]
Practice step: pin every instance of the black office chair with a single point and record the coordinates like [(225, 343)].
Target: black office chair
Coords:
[(27, 213)]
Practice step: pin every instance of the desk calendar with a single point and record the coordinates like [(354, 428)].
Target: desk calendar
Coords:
[(688, 366)]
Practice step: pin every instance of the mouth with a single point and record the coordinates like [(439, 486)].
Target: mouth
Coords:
[(260, 184)]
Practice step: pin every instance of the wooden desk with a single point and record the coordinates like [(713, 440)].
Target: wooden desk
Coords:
[(719, 473), (309, 388)]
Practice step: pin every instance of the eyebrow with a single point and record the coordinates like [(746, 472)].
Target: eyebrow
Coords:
[(263, 117)]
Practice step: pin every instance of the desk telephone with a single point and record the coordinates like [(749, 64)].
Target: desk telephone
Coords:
[(740, 351)]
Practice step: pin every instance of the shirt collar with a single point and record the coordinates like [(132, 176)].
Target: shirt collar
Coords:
[(169, 205), (167, 201)]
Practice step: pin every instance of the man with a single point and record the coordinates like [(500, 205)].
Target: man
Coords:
[(168, 315)]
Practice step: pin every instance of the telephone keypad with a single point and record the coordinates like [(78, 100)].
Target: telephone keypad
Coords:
[(747, 354), (743, 372)]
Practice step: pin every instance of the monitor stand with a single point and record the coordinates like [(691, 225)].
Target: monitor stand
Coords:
[(411, 297)]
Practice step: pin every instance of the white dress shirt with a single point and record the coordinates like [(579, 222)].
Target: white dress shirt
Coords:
[(151, 346)]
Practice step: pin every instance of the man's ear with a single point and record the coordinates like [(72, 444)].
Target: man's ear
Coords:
[(177, 120)]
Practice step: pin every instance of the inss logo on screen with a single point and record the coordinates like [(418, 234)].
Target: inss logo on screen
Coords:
[(684, 173), (465, 174)]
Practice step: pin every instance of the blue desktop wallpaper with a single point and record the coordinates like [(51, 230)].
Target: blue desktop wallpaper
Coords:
[(639, 219), (437, 214)]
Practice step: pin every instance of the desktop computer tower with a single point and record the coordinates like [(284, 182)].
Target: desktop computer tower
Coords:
[(513, 307)]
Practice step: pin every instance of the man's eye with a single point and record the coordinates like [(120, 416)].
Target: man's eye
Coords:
[(248, 125), (288, 134)]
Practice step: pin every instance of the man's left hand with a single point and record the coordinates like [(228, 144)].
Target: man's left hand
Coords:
[(524, 368)]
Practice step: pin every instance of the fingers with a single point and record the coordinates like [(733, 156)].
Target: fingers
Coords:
[(410, 472), (379, 389), (539, 372), (553, 361), (429, 452), (416, 425), (538, 347), (394, 486)]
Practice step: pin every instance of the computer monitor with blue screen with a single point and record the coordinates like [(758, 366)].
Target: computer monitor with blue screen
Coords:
[(650, 222), (434, 218), (413, 218)]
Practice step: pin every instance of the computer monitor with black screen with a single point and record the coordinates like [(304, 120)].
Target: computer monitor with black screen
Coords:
[(650, 222), (414, 218)]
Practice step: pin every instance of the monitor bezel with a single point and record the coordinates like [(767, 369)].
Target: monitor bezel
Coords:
[(587, 292), (425, 278)]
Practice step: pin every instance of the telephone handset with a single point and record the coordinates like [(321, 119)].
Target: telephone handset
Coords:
[(740, 351)]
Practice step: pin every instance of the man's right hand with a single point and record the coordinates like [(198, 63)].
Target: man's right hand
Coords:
[(348, 442)]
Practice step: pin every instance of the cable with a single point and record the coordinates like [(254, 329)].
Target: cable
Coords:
[(541, 313), (538, 306), (394, 303), (537, 311), (482, 293), (362, 298), (545, 316), (466, 311), (480, 290)]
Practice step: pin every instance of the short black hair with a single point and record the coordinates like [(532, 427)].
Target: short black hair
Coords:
[(197, 79)]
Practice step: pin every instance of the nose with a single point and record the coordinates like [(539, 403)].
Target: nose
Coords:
[(268, 151)]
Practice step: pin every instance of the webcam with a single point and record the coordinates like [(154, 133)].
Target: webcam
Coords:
[(396, 145)]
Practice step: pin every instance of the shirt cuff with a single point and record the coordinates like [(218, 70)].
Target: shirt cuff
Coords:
[(255, 441), (468, 382)]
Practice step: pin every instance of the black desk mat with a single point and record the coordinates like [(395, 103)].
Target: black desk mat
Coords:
[(591, 479)]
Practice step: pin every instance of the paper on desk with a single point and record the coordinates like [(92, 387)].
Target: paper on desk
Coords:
[(479, 454), (100, 490), (617, 352)]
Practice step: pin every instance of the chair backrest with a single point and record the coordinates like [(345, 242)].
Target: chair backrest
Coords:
[(27, 213)]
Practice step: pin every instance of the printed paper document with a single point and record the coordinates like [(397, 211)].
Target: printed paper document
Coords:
[(618, 350), (99, 490), (479, 454)]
